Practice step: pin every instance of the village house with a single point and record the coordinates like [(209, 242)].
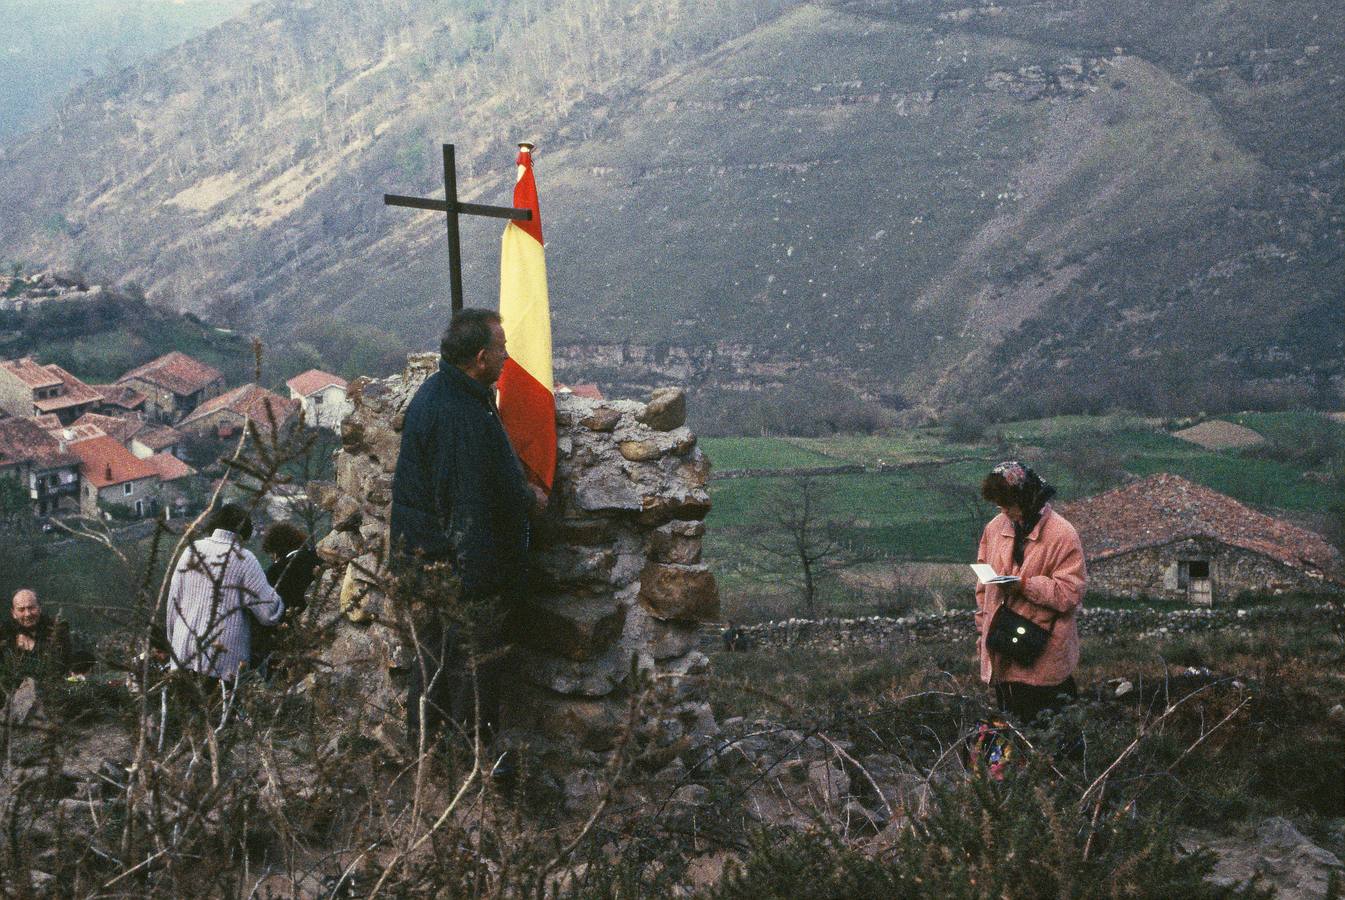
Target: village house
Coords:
[(174, 482), (586, 390), (154, 440), (173, 385), (1168, 538), (230, 412), (119, 400), (135, 434), (323, 396), (112, 476), (44, 468), (113, 426), (28, 388)]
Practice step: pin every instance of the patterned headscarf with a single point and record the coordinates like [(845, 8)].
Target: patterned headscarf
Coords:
[(1029, 493)]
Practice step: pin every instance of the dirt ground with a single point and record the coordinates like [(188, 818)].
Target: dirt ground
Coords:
[(1219, 435)]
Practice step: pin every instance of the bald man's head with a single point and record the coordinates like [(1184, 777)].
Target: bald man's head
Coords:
[(25, 609)]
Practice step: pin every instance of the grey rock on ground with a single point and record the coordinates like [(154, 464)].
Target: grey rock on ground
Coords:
[(1295, 867)]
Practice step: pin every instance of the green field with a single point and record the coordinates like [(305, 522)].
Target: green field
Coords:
[(924, 505), (762, 453)]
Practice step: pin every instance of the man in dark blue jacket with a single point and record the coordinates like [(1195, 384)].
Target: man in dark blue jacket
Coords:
[(460, 498)]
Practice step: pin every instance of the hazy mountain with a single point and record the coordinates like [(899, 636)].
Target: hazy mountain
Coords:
[(48, 46), (1061, 204)]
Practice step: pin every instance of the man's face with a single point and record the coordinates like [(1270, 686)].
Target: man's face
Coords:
[(493, 357), (25, 609)]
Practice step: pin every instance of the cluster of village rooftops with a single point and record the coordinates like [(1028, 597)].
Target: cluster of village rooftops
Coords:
[(89, 449)]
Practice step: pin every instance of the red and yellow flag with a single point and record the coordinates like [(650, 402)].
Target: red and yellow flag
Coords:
[(527, 390)]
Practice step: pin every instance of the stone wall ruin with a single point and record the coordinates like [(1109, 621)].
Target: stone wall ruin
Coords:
[(617, 567)]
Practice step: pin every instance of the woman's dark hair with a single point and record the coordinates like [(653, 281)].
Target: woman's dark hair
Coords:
[(467, 335), (283, 538), (231, 517), (1014, 484)]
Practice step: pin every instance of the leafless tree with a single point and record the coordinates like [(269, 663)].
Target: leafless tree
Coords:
[(805, 541)]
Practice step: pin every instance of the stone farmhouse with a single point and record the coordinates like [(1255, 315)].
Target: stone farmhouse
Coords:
[(28, 388), (42, 465), (1168, 538), (323, 396), (157, 440), (113, 476), (120, 400), (230, 412), (173, 385), (135, 434), (113, 426)]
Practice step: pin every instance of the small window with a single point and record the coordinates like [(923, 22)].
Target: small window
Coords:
[(1191, 568), (127, 488), (317, 400)]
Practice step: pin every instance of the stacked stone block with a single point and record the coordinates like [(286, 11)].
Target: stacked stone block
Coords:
[(619, 585)]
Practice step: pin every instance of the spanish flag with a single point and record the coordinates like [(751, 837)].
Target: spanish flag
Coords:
[(527, 390)]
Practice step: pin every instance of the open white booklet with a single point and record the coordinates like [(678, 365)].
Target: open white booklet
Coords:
[(986, 575)]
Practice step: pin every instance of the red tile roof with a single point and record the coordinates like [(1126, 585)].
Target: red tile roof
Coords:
[(306, 384), (589, 391), (1165, 508), (31, 372), (120, 395), (23, 439), (73, 433), (175, 371), (47, 421), (158, 437), (248, 401), (106, 462), (76, 392), (120, 428), (169, 467)]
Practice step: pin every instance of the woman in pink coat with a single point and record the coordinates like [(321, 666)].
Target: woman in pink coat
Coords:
[(1032, 541)]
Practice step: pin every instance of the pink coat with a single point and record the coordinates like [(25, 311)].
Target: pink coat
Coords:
[(1053, 580)]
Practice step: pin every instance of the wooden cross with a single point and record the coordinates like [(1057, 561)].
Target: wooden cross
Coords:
[(454, 208)]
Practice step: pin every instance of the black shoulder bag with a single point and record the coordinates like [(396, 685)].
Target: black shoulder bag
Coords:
[(1016, 637)]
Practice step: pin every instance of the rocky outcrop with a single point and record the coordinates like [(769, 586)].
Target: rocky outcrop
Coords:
[(619, 586), (18, 293)]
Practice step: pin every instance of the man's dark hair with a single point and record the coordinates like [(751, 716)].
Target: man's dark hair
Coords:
[(283, 538), (467, 335), (231, 517)]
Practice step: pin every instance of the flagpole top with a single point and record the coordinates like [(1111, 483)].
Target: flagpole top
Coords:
[(526, 146)]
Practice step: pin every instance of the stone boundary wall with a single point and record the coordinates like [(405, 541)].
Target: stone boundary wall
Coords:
[(845, 469), (800, 472), (877, 632)]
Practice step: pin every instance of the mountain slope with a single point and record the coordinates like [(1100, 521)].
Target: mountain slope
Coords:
[(1041, 206), (47, 47)]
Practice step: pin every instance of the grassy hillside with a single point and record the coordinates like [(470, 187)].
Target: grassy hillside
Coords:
[(99, 340), (1033, 208)]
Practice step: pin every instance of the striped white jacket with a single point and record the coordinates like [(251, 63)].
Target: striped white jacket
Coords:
[(217, 586)]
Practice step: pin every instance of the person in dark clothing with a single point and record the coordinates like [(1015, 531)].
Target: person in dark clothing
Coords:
[(460, 502), (31, 637), (293, 568)]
